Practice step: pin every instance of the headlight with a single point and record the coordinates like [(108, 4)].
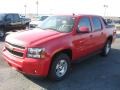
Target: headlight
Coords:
[(36, 53)]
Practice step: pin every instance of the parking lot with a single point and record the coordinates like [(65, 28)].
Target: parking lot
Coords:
[(95, 73)]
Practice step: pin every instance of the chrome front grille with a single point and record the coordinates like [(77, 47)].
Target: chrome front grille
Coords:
[(14, 52), (21, 47), (15, 49)]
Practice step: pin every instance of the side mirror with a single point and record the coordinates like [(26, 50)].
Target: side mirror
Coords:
[(84, 29)]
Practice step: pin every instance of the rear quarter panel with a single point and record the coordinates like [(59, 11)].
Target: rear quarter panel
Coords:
[(108, 31)]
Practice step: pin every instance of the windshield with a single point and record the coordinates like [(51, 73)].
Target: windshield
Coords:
[(58, 23), (42, 18), (1, 16)]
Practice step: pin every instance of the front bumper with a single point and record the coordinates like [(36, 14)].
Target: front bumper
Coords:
[(28, 66)]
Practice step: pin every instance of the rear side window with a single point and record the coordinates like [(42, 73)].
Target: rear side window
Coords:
[(84, 21), (96, 24)]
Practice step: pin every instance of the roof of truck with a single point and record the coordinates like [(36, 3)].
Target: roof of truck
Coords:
[(76, 15)]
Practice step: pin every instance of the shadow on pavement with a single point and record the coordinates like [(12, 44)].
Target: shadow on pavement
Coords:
[(95, 73)]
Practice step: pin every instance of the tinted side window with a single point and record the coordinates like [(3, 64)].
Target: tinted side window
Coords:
[(84, 21), (16, 17), (9, 17), (96, 24)]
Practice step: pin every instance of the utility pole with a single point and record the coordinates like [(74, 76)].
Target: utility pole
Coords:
[(105, 7), (37, 6), (25, 6)]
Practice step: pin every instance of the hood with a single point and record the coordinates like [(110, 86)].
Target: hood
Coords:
[(30, 37)]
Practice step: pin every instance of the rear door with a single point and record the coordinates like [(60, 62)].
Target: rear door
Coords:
[(16, 21), (98, 33), (83, 42)]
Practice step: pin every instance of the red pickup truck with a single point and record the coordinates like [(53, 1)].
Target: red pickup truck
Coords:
[(60, 40)]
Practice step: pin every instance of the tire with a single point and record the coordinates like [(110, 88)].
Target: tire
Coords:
[(60, 67), (2, 33), (107, 48), (27, 26)]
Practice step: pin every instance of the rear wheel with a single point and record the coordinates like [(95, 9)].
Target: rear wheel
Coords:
[(60, 67), (106, 48)]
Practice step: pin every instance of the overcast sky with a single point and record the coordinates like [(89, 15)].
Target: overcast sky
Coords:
[(62, 6)]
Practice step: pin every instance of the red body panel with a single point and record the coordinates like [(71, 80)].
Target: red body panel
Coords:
[(80, 44), (27, 65)]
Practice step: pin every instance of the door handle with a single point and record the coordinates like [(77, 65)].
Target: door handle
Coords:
[(91, 36)]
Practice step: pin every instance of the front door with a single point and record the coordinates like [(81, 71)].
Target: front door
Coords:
[(83, 42), (17, 21)]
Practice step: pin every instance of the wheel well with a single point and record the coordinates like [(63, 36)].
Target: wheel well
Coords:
[(27, 24), (65, 51)]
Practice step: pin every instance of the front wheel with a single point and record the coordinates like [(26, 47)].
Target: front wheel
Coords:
[(60, 67), (106, 48)]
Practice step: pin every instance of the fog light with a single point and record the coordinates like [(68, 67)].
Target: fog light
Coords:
[(35, 71)]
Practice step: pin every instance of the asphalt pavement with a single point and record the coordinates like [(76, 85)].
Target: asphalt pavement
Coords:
[(95, 73)]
